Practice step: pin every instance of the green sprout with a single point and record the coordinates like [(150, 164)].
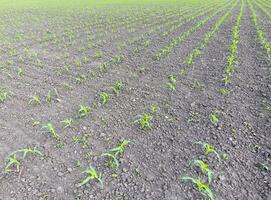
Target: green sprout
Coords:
[(204, 168), (114, 154), (92, 174), (12, 160), (171, 82), (51, 94), (204, 189), (67, 122), (154, 108), (144, 120), (224, 91), (50, 129), (215, 117), (98, 54), (3, 95), (208, 149), (83, 111), (104, 97), (35, 99), (117, 87)]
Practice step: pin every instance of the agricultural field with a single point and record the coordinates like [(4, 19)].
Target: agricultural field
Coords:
[(135, 100)]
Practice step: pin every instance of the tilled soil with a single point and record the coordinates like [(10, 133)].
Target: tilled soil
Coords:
[(156, 158)]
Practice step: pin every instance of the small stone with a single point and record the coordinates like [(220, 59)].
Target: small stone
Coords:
[(60, 174), (60, 189), (221, 177), (69, 169)]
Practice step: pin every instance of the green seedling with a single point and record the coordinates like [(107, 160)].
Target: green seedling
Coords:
[(215, 117), (226, 80), (92, 174), (35, 99), (51, 94), (27, 151), (114, 154), (264, 167), (67, 122), (117, 87), (154, 108), (3, 95), (144, 120), (12, 160), (224, 91), (208, 149), (171, 82), (104, 97), (83, 111), (50, 129), (98, 54), (102, 67), (203, 188), (204, 168), (20, 71)]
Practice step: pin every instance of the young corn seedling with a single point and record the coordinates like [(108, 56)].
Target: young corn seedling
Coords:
[(203, 188), (35, 100), (104, 97), (171, 82), (83, 111), (226, 80), (20, 71), (114, 154), (26, 151), (92, 174), (224, 91), (144, 121), (154, 108), (51, 94), (204, 168), (98, 54), (208, 149), (67, 122), (215, 117), (117, 87), (3, 95), (12, 160), (50, 129)]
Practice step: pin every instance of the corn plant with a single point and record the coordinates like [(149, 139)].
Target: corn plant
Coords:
[(226, 80), (203, 188), (104, 97), (92, 174), (35, 100), (67, 122), (215, 117), (144, 121), (208, 149), (224, 91), (83, 111), (51, 94), (98, 54), (204, 168), (153, 108), (171, 82), (3, 95), (117, 87), (20, 71), (13, 161), (50, 129), (114, 154)]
